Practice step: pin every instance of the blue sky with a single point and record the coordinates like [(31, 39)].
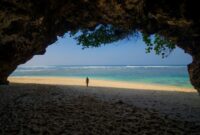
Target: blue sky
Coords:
[(126, 52)]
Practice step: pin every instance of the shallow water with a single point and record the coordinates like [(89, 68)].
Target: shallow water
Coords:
[(163, 75)]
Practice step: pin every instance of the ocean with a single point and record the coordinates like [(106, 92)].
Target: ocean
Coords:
[(162, 75)]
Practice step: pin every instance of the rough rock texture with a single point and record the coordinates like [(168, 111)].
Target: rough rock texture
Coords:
[(28, 27)]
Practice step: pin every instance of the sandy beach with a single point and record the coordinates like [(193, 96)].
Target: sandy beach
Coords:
[(66, 106), (97, 83)]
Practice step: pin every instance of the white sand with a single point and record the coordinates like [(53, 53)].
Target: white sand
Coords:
[(42, 107), (175, 101), (98, 83)]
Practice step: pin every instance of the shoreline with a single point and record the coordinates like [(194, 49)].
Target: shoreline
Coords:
[(62, 105), (78, 81)]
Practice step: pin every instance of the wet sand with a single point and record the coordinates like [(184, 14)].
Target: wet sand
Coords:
[(72, 109)]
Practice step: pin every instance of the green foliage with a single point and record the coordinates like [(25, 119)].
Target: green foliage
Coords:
[(105, 34), (159, 44)]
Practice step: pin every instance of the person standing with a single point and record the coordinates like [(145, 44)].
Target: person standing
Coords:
[(87, 81)]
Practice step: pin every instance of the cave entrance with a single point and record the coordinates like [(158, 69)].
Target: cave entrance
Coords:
[(124, 61)]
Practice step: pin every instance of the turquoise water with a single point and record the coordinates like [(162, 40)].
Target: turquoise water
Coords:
[(163, 75)]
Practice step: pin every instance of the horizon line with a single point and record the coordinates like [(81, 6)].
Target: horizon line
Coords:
[(103, 65)]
